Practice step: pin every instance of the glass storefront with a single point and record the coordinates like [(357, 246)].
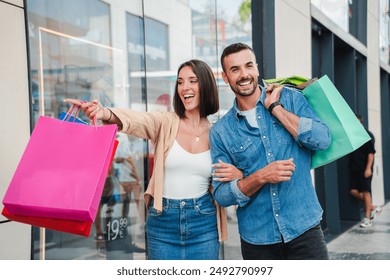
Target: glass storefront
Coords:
[(337, 10), (349, 15), (384, 31), (125, 54)]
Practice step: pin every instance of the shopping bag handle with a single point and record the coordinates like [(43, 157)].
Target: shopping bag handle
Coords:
[(93, 121), (74, 111)]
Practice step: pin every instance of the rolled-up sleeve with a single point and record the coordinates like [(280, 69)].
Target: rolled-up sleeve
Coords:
[(227, 194), (313, 134)]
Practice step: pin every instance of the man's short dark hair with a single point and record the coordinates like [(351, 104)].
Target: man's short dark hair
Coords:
[(233, 48)]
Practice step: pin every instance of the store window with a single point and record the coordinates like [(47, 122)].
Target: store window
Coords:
[(125, 54), (349, 15), (384, 31), (73, 55)]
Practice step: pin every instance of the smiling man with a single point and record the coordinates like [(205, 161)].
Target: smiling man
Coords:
[(269, 134)]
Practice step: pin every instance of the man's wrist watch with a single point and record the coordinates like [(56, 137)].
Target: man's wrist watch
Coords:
[(273, 105)]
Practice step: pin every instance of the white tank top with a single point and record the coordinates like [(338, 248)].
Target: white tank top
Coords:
[(186, 175)]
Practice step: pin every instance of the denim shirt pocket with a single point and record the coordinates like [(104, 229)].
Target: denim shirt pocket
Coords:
[(241, 152), (282, 135)]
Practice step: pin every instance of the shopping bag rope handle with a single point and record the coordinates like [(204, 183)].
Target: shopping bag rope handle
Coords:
[(74, 111), (94, 121)]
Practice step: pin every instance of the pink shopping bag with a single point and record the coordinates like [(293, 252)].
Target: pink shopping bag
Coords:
[(62, 171), (68, 226)]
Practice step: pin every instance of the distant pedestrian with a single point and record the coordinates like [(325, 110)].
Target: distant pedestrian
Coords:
[(361, 166)]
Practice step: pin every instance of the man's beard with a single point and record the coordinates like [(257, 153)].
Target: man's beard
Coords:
[(249, 92)]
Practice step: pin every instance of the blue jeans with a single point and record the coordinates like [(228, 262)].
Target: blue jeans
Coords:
[(309, 246), (186, 229)]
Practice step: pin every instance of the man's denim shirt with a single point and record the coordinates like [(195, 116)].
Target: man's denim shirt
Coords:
[(277, 212)]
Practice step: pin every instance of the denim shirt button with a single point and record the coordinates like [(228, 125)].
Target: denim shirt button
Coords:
[(277, 215), (273, 194)]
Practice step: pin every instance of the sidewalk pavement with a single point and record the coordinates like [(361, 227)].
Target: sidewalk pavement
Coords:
[(357, 243)]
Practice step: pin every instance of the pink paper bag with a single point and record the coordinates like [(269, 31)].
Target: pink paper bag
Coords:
[(62, 171), (68, 226)]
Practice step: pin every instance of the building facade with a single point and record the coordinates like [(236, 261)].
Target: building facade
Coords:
[(126, 54)]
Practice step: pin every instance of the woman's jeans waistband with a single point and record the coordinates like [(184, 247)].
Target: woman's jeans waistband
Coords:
[(186, 202)]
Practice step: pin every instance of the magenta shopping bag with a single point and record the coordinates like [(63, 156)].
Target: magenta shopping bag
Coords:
[(68, 226), (62, 171)]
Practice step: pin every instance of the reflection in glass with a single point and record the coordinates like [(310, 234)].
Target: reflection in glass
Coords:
[(351, 16), (336, 10), (384, 31), (120, 220)]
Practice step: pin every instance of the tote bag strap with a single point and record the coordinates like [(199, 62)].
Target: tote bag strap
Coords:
[(74, 111)]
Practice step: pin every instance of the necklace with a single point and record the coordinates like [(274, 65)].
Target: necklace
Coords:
[(197, 136)]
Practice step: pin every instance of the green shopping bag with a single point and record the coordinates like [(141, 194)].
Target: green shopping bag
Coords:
[(347, 132), (292, 80), (297, 82)]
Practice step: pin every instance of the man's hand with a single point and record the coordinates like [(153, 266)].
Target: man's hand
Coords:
[(278, 171), (275, 172), (272, 94)]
